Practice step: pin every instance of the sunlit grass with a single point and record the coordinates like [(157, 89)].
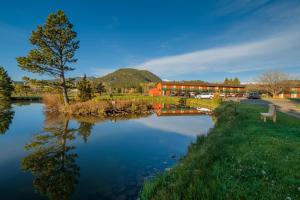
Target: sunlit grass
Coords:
[(296, 101), (242, 158), (163, 99)]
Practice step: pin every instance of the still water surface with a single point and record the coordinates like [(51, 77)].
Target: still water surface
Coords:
[(51, 157)]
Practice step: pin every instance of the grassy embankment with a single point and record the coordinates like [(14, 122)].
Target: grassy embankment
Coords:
[(118, 105), (242, 158), (212, 104), (26, 97), (129, 97), (296, 101)]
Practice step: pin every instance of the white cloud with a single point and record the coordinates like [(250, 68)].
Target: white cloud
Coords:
[(278, 51), (101, 71)]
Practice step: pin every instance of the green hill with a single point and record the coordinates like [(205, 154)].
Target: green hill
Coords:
[(129, 78)]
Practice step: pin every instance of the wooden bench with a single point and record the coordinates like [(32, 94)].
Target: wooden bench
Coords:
[(270, 114)]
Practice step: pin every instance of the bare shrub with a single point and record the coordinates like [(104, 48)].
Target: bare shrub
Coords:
[(106, 107), (53, 102)]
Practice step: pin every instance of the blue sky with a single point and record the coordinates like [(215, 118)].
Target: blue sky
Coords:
[(177, 40)]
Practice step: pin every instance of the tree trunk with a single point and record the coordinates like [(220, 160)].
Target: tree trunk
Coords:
[(64, 88)]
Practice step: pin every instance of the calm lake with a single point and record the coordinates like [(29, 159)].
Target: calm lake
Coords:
[(51, 157)]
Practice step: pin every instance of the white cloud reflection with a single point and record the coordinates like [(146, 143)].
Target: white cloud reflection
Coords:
[(184, 125)]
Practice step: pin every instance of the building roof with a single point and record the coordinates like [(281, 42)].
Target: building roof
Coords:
[(200, 84)]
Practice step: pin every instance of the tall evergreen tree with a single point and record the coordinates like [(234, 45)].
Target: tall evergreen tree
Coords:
[(226, 81), (55, 46), (6, 87), (85, 89), (236, 81), (98, 87)]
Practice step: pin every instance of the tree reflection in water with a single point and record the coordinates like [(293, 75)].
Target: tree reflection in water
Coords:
[(84, 130), (6, 116), (52, 160)]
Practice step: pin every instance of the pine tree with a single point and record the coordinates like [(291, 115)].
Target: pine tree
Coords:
[(226, 81), (6, 87), (85, 89), (55, 45), (98, 87), (236, 81)]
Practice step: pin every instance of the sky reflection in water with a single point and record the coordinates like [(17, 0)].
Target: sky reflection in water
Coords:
[(89, 160)]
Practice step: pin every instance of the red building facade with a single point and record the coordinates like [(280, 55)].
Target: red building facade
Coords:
[(185, 88), (293, 92)]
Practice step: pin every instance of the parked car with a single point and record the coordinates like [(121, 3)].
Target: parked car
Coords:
[(205, 96), (192, 94), (222, 95), (253, 95)]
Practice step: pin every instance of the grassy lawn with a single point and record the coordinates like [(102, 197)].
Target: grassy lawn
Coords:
[(163, 99), (296, 101), (242, 158)]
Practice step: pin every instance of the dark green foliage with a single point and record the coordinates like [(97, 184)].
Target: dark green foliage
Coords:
[(55, 45), (52, 162), (236, 81), (84, 89), (6, 87), (6, 116), (182, 101), (129, 78), (140, 89), (85, 130), (241, 158), (231, 81), (98, 87)]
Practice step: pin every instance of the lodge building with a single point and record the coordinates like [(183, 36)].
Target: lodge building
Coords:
[(186, 88), (293, 93)]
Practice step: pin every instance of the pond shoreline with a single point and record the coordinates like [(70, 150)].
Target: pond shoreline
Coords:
[(120, 106), (125, 150), (240, 155)]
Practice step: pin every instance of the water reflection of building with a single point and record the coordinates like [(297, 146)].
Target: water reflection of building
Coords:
[(175, 110)]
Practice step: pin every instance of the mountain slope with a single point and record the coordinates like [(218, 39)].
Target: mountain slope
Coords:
[(129, 78)]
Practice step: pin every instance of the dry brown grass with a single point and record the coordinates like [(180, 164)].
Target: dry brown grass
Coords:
[(95, 108), (54, 103)]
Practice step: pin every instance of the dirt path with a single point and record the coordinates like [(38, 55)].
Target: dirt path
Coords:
[(283, 105)]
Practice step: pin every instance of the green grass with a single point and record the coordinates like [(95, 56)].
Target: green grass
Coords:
[(241, 158), (296, 101), (163, 99)]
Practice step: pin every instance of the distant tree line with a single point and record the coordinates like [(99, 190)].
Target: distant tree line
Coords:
[(273, 83), (231, 81)]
